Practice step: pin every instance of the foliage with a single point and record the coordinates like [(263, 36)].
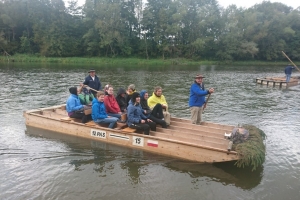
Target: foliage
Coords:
[(252, 151), (104, 60), (131, 61), (166, 29)]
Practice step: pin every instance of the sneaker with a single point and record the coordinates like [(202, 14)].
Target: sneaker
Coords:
[(227, 135)]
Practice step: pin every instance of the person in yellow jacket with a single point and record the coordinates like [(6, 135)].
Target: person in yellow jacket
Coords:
[(158, 98)]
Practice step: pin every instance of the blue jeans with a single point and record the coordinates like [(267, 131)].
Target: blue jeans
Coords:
[(110, 120), (114, 115), (288, 77)]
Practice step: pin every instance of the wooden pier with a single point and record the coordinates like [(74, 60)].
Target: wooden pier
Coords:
[(278, 81)]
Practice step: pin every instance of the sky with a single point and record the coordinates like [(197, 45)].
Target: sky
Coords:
[(244, 3), (249, 3)]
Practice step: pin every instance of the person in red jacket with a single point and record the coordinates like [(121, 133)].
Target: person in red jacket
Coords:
[(111, 104)]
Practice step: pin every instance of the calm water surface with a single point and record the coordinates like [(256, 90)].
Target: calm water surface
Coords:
[(38, 164)]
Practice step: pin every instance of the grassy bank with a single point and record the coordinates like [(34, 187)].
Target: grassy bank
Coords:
[(128, 61)]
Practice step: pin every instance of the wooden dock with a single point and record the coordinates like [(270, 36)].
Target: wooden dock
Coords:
[(278, 81)]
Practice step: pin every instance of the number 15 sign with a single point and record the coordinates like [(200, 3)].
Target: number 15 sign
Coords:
[(137, 141)]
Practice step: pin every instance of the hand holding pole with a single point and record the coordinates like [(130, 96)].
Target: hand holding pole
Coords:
[(90, 88)]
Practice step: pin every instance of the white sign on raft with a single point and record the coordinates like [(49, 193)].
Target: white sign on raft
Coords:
[(138, 141), (113, 135), (98, 133)]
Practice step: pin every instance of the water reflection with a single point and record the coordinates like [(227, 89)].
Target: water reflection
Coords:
[(226, 173), (135, 162), (246, 178), (134, 169)]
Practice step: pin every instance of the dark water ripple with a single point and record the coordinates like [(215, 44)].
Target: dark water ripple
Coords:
[(37, 164)]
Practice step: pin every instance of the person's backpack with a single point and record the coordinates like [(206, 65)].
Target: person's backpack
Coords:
[(239, 135), (87, 96)]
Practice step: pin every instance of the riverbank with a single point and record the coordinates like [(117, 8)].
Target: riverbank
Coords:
[(130, 61)]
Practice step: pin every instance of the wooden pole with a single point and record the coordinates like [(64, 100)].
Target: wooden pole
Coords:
[(206, 102), (290, 60), (90, 88)]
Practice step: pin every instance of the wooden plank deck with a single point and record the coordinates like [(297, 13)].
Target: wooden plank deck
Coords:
[(201, 143), (278, 81)]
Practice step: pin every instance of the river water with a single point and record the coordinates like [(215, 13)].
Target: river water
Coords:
[(38, 164)]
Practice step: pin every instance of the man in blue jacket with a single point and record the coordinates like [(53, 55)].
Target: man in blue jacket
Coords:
[(197, 98), (288, 72), (93, 81)]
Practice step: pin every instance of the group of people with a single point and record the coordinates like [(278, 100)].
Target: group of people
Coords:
[(143, 112)]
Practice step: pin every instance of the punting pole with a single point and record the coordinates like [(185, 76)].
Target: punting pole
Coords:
[(206, 102), (90, 88), (290, 60)]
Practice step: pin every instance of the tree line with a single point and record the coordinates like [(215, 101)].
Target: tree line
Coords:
[(191, 29)]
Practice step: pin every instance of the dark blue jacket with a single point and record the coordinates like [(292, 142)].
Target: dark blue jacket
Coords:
[(98, 110), (95, 84), (144, 104), (197, 95), (288, 69), (134, 114)]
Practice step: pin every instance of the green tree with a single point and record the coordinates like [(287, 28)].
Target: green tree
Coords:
[(268, 30)]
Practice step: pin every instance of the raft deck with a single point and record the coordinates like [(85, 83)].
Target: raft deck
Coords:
[(182, 139), (278, 81)]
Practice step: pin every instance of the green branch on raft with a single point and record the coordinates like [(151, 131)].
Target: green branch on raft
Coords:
[(251, 152)]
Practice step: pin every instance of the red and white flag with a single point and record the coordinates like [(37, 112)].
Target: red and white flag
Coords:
[(152, 143)]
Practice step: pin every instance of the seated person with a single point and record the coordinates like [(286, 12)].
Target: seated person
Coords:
[(99, 114), (130, 91), (158, 98), (135, 117), (156, 114), (74, 108), (111, 104), (121, 99), (106, 88), (85, 96)]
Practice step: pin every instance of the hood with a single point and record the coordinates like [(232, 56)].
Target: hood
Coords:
[(73, 90), (130, 102), (134, 96), (142, 93), (121, 91), (132, 92), (95, 101)]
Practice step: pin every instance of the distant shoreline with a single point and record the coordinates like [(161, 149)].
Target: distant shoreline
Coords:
[(22, 58)]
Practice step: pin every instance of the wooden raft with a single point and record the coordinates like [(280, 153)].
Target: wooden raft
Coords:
[(277, 81), (182, 139)]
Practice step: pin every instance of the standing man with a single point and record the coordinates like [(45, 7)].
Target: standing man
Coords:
[(197, 98), (93, 81), (288, 72)]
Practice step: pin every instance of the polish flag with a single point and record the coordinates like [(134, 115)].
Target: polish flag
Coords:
[(152, 143)]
